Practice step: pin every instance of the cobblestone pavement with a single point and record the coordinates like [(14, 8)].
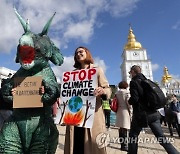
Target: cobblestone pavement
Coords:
[(147, 141)]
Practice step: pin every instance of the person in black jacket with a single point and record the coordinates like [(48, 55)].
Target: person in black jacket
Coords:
[(143, 116)]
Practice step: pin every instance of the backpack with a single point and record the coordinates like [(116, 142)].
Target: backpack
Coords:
[(114, 104), (153, 96)]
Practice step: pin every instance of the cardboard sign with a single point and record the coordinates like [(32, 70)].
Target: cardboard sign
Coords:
[(78, 102), (27, 92)]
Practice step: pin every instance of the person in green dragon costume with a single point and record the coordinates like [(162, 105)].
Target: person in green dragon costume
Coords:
[(32, 130)]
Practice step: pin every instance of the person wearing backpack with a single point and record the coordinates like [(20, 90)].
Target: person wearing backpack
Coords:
[(144, 113)]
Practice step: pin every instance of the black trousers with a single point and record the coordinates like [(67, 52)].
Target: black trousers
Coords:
[(123, 134), (78, 140), (107, 117)]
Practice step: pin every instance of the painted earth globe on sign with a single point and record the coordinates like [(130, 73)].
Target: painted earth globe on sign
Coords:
[(75, 104)]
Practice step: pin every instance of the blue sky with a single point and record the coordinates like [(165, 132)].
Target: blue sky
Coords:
[(100, 25)]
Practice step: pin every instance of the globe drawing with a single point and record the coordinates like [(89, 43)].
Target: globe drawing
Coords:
[(75, 104)]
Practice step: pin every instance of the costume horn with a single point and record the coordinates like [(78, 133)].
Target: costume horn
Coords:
[(46, 27), (22, 21)]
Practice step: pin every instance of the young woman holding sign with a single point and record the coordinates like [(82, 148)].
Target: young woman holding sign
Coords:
[(81, 140)]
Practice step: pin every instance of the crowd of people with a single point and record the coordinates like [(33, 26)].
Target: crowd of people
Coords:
[(143, 116), (131, 117)]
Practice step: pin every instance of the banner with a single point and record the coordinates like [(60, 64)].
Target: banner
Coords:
[(78, 102)]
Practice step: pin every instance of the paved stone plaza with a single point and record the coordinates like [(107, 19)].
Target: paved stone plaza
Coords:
[(144, 148)]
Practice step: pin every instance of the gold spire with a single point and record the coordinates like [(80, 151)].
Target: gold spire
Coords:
[(166, 77), (132, 43)]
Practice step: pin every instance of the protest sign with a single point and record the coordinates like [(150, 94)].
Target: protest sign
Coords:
[(78, 102), (27, 92)]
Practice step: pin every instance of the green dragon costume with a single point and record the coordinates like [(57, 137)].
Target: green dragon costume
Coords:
[(32, 130)]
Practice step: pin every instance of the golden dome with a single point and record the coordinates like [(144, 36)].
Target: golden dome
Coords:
[(132, 43), (166, 77)]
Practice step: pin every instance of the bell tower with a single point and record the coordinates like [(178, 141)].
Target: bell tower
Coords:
[(134, 54), (166, 78)]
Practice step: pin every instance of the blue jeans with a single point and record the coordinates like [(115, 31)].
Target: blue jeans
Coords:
[(155, 125)]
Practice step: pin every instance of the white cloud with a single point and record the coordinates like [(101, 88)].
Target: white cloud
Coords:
[(155, 67), (176, 77), (99, 62), (75, 19), (176, 26), (8, 27), (66, 66), (120, 8), (83, 30)]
